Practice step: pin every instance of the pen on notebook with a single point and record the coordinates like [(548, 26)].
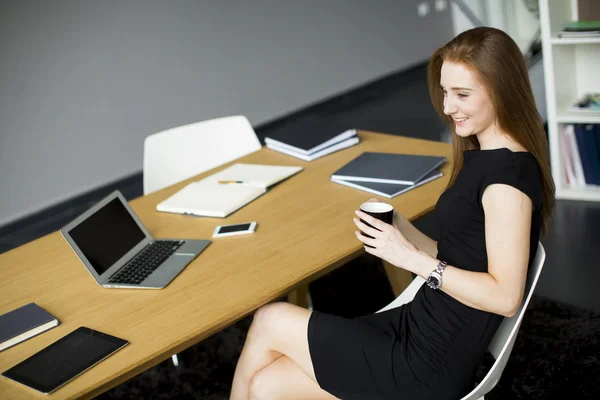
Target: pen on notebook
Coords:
[(230, 182)]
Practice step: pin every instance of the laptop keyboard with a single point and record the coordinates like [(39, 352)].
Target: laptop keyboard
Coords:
[(146, 262)]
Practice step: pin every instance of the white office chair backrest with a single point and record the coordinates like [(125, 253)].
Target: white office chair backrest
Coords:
[(504, 339), (407, 294), (176, 154)]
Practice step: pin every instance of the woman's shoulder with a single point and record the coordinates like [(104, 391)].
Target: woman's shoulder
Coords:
[(502, 159), (518, 169)]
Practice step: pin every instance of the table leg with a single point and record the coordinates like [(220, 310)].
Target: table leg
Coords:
[(299, 296)]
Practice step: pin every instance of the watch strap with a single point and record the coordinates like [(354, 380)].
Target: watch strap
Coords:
[(441, 267), (437, 275)]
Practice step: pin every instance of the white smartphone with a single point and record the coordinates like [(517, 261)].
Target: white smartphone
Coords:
[(236, 229)]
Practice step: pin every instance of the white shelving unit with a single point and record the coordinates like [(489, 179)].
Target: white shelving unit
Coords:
[(571, 68)]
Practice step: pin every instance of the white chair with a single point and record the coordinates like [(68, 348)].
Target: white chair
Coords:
[(503, 341), (177, 154)]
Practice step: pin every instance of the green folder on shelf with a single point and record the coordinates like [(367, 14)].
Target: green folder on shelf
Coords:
[(582, 26), (581, 29)]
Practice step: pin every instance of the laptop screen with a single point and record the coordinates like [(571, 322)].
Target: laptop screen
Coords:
[(107, 235)]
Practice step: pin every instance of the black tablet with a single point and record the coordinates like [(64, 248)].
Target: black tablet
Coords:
[(63, 360)]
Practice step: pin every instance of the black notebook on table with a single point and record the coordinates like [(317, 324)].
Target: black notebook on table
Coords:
[(308, 135), (389, 190), (23, 323), (404, 169)]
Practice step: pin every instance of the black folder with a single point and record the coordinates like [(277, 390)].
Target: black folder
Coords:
[(389, 190), (405, 169), (309, 135)]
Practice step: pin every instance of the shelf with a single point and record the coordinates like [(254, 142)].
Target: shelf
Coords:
[(577, 118), (570, 41), (564, 116), (588, 193), (570, 70)]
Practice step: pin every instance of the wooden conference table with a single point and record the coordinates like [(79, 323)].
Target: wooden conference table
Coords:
[(304, 230)]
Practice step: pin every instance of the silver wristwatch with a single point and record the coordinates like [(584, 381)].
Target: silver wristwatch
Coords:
[(434, 279)]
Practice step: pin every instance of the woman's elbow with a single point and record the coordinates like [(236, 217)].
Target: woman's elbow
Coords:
[(511, 306), (509, 313)]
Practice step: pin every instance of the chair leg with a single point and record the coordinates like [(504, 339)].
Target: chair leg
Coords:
[(300, 297), (399, 278), (175, 360)]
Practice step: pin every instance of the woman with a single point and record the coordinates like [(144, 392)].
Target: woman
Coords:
[(499, 200)]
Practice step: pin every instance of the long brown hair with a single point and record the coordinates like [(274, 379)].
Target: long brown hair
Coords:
[(498, 64)]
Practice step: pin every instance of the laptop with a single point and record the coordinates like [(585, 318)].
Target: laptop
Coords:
[(119, 252)]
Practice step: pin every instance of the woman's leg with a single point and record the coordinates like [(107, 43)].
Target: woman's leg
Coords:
[(283, 380), (278, 329)]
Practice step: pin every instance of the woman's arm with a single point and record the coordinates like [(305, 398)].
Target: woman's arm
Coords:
[(507, 227)]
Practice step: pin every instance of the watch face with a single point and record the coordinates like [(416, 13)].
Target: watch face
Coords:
[(433, 281)]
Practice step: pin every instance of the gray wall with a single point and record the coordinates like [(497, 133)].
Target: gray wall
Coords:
[(83, 82)]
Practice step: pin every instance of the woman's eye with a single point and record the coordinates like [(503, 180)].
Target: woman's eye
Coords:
[(462, 95)]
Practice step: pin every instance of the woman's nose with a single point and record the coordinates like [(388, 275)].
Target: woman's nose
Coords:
[(449, 107)]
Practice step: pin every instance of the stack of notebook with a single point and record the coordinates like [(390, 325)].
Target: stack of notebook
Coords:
[(388, 175), (311, 138), (581, 29)]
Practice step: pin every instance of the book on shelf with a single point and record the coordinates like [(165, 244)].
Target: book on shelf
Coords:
[(575, 168), (226, 191), (588, 152), (23, 323), (404, 169), (389, 190), (311, 137), (572, 35), (580, 29), (568, 170), (589, 102), (580, 149)]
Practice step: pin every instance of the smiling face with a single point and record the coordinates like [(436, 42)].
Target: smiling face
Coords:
[(466, 101)]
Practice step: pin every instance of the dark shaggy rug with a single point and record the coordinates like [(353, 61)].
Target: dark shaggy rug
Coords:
[(556, 355)]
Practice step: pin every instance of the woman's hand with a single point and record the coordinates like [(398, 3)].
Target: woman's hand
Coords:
[(388, 242)]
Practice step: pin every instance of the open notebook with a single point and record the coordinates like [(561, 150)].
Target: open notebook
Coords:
[(226, 191)]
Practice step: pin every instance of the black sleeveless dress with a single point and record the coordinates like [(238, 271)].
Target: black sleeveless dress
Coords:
[(431, 347)]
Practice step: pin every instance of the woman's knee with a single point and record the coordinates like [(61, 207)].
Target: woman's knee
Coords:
[(262, 386), (270, 318)]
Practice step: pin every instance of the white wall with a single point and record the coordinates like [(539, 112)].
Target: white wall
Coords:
[(460, 21), (83, 82), (513, 17)]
